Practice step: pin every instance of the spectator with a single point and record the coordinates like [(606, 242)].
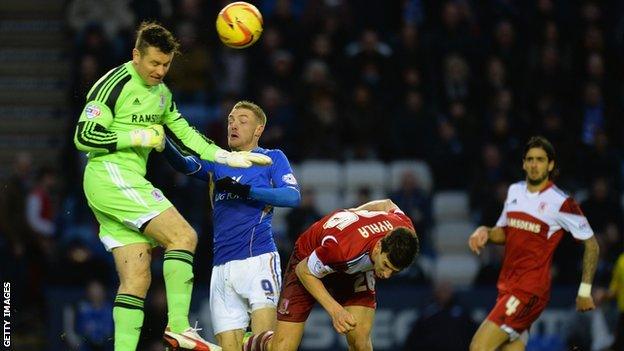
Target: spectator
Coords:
[(89, 324), (443, 317), (13, 223), (193, 76), (365, 131), (602, 208), (409, 127), (448, 158), (40, 211), (416, 203), (300, 218)]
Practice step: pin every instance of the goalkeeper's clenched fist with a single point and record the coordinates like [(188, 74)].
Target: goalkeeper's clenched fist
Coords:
[(151, 137)]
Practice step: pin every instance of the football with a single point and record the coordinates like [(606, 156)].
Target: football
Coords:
[(239, 25)]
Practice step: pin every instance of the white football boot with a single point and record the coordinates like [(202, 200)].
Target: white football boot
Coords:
[(188, 340)]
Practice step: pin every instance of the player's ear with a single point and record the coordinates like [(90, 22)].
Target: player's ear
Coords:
[(136, 55), (259, 130), (551, 165)]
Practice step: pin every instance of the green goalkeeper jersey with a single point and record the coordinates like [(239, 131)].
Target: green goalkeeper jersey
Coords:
[(120, 102)]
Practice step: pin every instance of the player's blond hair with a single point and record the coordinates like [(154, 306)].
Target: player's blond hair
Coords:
[(257, 110)]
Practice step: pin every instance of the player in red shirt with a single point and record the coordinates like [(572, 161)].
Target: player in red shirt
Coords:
[(534, 219), (335, 262)]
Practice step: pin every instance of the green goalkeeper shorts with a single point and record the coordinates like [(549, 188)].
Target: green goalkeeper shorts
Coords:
[(122, 201)]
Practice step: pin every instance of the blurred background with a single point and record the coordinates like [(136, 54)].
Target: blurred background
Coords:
[(426, 102)]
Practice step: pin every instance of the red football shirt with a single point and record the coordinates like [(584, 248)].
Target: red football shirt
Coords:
[(343, 240), (534, 224)]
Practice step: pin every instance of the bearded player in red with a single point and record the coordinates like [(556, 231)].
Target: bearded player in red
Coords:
[(335, 262), (535, 217)]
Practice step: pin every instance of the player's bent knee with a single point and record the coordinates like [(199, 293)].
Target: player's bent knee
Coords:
[(182, 238), (188, 238)]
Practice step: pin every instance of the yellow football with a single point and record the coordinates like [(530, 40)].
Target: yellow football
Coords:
[(239, 25)]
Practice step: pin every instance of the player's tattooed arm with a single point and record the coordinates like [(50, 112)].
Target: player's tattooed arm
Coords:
[(590, 259)]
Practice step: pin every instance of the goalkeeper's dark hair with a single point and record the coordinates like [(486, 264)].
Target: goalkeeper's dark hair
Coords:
[(401, 245), (155, 35), (543, 143)]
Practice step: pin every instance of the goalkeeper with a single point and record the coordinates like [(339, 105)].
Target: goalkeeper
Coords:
[(127, 113)]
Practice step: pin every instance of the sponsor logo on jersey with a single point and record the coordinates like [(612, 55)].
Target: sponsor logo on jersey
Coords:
[(157, 195), (226, 196), (375, 228), (513, 202), (145, 118), (136, 101), (524, 225), (238, 179), (92, 111), (289, 179), (542, 207)]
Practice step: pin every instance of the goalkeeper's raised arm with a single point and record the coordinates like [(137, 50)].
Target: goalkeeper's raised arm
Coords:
[(196, 144)]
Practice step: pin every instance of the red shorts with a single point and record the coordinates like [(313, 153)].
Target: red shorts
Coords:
[(295, 301), (515, 312)]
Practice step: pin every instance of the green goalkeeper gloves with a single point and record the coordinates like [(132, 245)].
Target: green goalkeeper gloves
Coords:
[(150, 137), (241, 159)]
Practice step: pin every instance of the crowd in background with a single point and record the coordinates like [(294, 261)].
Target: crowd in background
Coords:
[(458, 84)]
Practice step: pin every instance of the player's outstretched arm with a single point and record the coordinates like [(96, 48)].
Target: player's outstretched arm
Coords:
[(189, 165), (584, 300), (377, 205), (342, 320), (281, 197)]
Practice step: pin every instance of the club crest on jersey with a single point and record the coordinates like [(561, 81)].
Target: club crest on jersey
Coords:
[(289, 179), (157, 195), (162, 101), (92, 111)]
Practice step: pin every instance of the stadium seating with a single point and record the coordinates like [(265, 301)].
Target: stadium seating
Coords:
[(459, 270), (327, 201), (321, 174), (371, 174), (452, 237), (450, 206), (419, 168)]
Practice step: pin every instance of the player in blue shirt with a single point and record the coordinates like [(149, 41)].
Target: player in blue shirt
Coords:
[(246, 274)]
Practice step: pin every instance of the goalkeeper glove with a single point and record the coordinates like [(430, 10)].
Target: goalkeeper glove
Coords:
[(152, 137), (241, 159), (231, 186)]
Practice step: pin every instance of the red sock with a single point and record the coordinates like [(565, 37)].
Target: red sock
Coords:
[(258, 342)]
